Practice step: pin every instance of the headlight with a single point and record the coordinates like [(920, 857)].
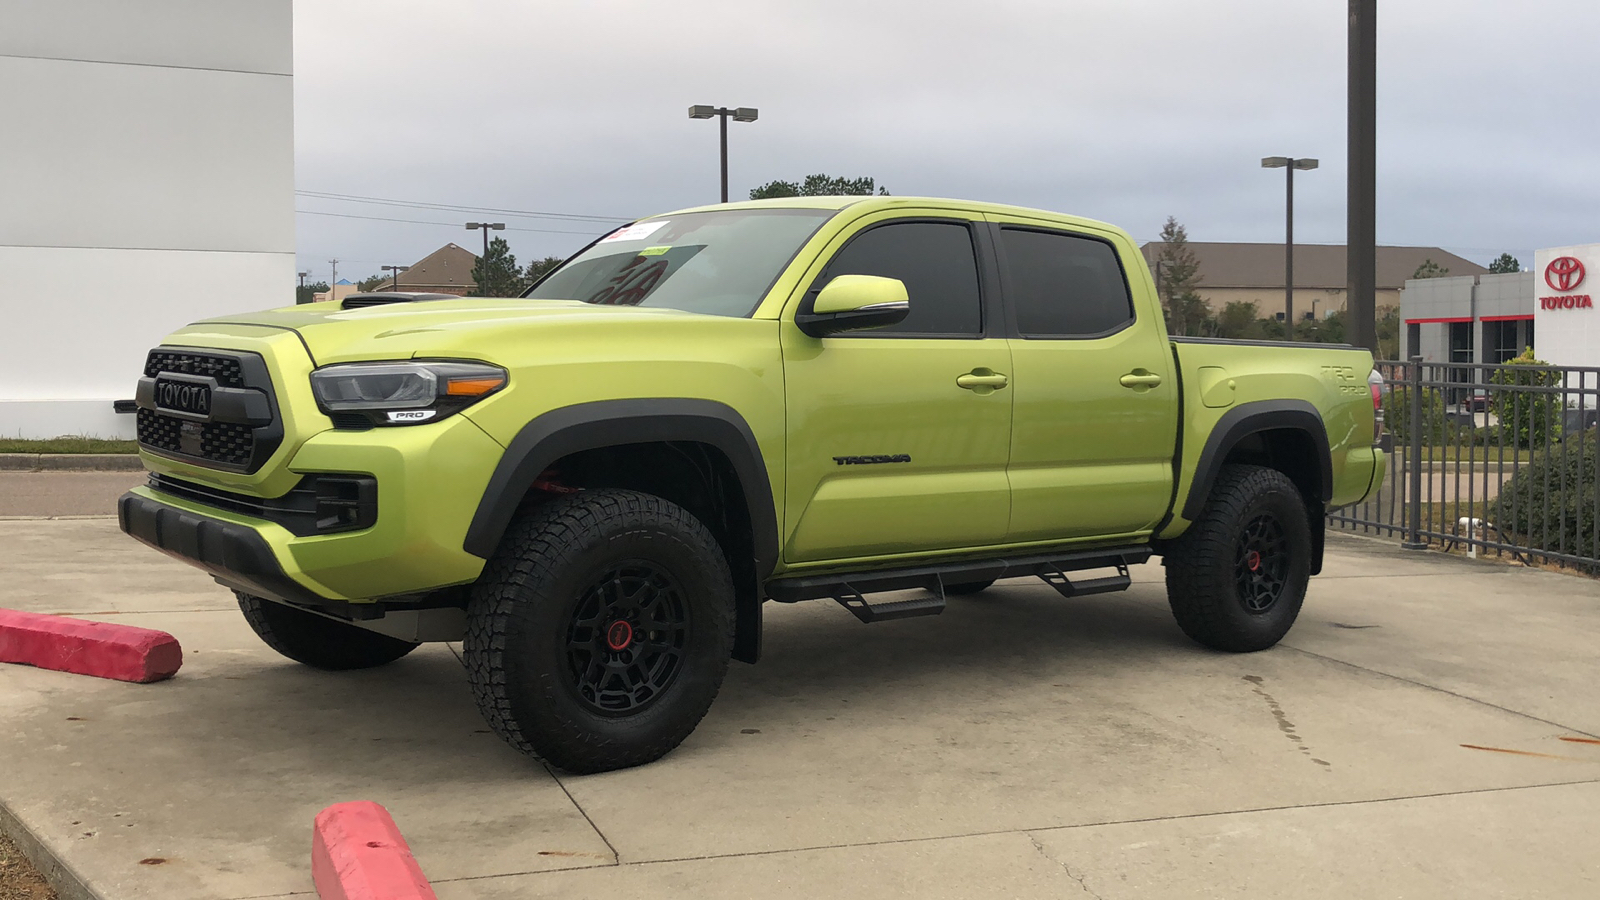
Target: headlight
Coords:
[(402, 393)]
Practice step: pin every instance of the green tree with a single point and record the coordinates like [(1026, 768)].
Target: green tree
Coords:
[(1504, 264), (308, 293), (818, 186), (539, 268), (1430, 269), (497, 274), (1237, 320), (1388, 327), (371, 282), (1177, 273)]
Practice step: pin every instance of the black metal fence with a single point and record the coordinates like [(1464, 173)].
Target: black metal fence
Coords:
[(1489, 459)]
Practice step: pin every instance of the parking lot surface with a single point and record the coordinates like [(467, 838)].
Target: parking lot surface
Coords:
[(1428, 729)]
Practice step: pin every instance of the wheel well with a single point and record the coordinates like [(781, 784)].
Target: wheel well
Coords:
[(1294, 453), (698, 477), (1290, 451)]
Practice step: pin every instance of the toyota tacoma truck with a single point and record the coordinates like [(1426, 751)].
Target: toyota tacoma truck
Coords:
[(596, 486)]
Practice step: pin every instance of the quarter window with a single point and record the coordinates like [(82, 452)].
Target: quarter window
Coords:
[(1062, 285), (936, 262)]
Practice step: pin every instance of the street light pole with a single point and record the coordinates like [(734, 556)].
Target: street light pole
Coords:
[(394, 280), (485, 227), (741, 114), (1289, 164), (302, 290)]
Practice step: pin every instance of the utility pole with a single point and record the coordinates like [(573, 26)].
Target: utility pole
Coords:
[(333, 283), (1361, 229)]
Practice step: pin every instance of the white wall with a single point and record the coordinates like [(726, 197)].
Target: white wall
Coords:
[(148, 181)]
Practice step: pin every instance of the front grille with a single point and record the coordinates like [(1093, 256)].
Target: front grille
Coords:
[(226, 370), (243, 443)]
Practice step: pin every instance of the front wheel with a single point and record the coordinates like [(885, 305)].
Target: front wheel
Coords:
[(318, 641), (1237, 578), (600, 632)]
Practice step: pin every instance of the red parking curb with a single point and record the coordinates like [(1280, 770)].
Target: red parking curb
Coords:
[(357, 853), (101, 649)]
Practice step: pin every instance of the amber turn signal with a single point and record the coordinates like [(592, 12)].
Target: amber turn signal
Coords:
[(473, 387)]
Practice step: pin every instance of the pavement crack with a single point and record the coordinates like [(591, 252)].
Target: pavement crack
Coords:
[(616, 859), (1065, 868), (1424, 685)]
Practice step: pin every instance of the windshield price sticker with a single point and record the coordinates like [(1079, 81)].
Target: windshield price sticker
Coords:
[(638, 231)]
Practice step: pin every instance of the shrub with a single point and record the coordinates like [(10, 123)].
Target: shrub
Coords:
[(1528, 418), (1397, 416), (1550, 502)]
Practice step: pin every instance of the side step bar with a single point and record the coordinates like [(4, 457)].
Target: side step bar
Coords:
[(850, 588)]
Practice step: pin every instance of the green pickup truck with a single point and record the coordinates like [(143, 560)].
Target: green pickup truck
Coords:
[(596, 486)]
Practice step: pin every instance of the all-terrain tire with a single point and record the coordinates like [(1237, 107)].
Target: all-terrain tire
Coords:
[(600, 632), (319, 641), (970, 587), (1237, 578)]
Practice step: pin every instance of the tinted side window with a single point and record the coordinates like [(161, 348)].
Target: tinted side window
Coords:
[(938, 265), (1063, 286)]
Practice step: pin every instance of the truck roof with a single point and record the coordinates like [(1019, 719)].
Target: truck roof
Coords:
[(875, 202)]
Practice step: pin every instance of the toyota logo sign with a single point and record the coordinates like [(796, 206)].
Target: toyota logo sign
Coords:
[(1565, 273)]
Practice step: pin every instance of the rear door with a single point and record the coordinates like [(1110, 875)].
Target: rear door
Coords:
[(887, 452), (1095, 400)]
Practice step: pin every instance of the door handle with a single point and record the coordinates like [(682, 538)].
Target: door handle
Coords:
[(981, 379), (1140, 378)]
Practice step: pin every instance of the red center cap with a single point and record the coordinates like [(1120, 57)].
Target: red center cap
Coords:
[(1253, 560), (619, 635)]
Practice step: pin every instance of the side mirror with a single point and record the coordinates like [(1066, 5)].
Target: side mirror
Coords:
[(853, 302)]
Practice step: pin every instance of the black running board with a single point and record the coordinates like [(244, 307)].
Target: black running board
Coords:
[(850, 588)]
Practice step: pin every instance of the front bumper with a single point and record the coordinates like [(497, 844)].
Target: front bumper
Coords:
[(429, 478), (234, 554)]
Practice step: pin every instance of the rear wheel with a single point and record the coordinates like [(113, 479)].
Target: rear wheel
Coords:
[(1237, 578), (319, 641), (600, 632)]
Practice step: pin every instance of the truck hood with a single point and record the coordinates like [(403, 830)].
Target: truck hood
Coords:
[(402, 330)]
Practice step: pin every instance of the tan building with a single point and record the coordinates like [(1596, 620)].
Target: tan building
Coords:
[(1254, 273), (447, 270), (338, 292)]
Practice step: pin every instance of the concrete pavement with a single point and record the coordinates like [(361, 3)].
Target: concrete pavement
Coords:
[(1019, 745), (64, 493)]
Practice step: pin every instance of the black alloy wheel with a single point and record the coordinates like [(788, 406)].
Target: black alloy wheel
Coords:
[(1261, 566), (626, 638), (1236, 578)]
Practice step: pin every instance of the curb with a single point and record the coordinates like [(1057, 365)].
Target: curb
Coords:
[(100, 649), (67, 883), (358, 853), (70, 462)]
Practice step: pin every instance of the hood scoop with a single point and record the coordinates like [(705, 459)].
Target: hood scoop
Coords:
[(361, 301)]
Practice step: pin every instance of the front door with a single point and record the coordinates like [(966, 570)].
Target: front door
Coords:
[(891, 449), (1096, 399)]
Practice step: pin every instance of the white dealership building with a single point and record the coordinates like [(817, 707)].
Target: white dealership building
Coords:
[(1491, 318), (148, 181)]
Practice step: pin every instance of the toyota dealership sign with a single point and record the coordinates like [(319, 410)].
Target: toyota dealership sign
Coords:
[(1565, 320)]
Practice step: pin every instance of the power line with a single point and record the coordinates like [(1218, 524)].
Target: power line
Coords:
[(455, 207), (312, 212)]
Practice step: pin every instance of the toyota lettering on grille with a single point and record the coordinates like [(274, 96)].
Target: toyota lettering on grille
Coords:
[(183, 397)]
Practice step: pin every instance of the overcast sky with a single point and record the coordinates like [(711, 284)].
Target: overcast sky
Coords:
[(1121, 110)]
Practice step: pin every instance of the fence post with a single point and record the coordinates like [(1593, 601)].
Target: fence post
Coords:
[(1414, 400)]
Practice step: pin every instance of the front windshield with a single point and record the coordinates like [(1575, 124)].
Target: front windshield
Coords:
[(720, 263)]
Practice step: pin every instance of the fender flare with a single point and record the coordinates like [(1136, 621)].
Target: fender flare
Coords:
[(608, 423), (1251, 418)]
